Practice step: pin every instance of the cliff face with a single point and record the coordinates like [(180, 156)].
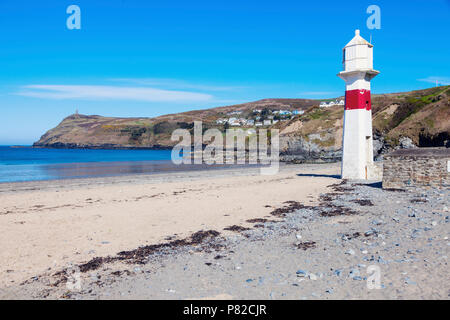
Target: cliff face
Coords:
[(416, 118)]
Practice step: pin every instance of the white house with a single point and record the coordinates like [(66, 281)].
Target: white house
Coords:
[(267, 122), (324, 104), (234, 122)]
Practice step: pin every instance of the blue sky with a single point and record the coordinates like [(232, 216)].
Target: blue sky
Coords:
[(147, 58)]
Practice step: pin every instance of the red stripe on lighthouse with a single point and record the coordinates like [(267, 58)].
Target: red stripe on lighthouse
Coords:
[(357, 99)]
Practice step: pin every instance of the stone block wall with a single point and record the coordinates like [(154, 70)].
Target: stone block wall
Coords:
[(417, 168)]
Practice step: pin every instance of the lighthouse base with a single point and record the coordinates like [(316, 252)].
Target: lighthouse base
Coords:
[(357, 148)]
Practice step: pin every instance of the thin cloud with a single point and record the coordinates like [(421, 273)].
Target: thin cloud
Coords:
[(440, 80), (175, 84), (318, 93), (94, 92)]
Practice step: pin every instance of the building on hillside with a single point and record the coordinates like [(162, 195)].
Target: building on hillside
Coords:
[(325, 104), (234, 122), (267, 122)]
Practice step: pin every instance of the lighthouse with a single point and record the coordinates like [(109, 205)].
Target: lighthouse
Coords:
[(357, 144)]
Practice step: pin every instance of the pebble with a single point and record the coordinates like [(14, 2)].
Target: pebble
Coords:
[(354, 273), (301, 273), (350, 252), (381, 260), (338, 272), (369, 233), (312, 276)]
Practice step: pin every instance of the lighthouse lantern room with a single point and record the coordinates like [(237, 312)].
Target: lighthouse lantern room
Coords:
[(357, 145)]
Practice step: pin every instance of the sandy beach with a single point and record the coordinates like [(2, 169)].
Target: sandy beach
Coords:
[(223, 234), (47, 226)]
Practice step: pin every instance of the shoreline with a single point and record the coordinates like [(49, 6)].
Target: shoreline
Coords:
[(143, 167), (71, 146)]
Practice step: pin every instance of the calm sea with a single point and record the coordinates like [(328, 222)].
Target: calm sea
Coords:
[(27, 164)]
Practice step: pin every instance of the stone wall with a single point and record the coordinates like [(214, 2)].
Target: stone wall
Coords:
[(417, 168)]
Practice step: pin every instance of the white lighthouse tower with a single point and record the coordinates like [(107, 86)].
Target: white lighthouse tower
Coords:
[(357, 145)]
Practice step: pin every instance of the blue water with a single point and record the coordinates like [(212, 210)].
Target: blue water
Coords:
[(29, 156), (27, 164)]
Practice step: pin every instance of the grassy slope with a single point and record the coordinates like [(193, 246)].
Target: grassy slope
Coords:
[(415, 114)]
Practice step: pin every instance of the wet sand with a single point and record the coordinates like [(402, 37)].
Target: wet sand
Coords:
[(46, 226)]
